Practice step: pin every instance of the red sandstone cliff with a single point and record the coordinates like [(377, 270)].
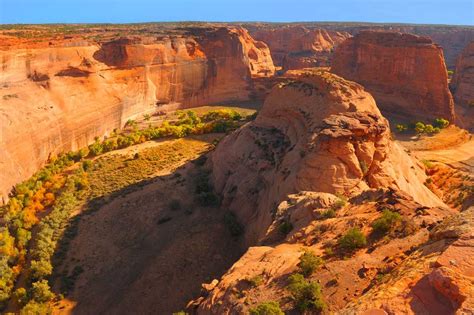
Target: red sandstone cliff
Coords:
[(58, 99), (297, 47), (463, 80), (405, 73), (317, 132)]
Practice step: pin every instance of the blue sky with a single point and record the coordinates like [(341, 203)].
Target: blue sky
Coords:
[(127, 11)]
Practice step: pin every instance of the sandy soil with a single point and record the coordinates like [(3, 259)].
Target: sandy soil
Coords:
[(141, 257)]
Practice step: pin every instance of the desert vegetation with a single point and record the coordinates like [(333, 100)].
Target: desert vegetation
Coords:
[(424, 128), (39, 209)]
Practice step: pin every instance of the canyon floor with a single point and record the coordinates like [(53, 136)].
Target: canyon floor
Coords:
[(175, 244)]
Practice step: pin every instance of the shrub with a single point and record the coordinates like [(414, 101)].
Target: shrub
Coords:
[(309, 262), (352, 240), (401, 128), (339, 203), (267, 308), (34, 308), (429, 129), (386, 221), (40, 291), (233, 224), (87, 165), (441, 123), (285, 227), (419, 127), (20, 296), (327, 214), (306, 294), (40, 269), (255, 281)]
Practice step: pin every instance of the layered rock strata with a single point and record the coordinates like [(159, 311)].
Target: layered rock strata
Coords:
[(405, 73)]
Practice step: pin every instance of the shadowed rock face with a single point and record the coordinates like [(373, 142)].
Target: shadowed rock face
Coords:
[(463, 80), (405, 73), (298, 47), (316, 132), (59, 99)]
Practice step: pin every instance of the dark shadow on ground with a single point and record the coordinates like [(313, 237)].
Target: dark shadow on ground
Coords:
[(143, 249)]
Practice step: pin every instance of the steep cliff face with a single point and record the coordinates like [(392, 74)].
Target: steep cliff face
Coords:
[(58, 99), (317, 132), (405, 73), (463, 80), (297, 47)]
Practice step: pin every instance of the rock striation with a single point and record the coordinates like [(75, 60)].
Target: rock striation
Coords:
[(315, 132), (405, 73), (297, 47), (59, 98)]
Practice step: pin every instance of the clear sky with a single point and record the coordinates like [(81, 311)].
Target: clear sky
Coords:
[(128, 11)]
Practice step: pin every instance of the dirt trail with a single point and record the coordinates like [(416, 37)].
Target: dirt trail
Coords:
[(458, 157)]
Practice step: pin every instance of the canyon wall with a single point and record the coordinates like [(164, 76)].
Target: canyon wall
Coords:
[(405, 73), (463, 80), (452, 39), (56, 99), (296, 47)]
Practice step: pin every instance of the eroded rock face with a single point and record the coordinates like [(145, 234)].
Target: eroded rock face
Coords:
[(317, 132), (296, 47), (463, 80), (405, 73), (59, 99), (345, 279)]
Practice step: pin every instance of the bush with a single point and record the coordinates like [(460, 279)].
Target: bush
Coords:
[(385, 223), (441, 123), (429, 129), (401, 128), (267, 308), (255, 281), (419, 127), (327, 214), (34, 308), (87, 165), (232, 223), (309, 262), (352, 240), (306, 294), (40, 269), (20, 296), (339, 203), (40, 291), (285, 227)]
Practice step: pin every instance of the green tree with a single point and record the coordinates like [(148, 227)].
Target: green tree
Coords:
[(309, 262), (267, 308), (306, 294), (41, 292), (352, 240)]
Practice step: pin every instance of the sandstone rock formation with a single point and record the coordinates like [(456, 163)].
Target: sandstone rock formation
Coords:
[(58, 99), (463, 80), (296, 47), (358, 283), (316, 132), (405, 73)]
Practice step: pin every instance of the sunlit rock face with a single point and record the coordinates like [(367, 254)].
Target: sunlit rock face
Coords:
[(60, 98), (316, 132)]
